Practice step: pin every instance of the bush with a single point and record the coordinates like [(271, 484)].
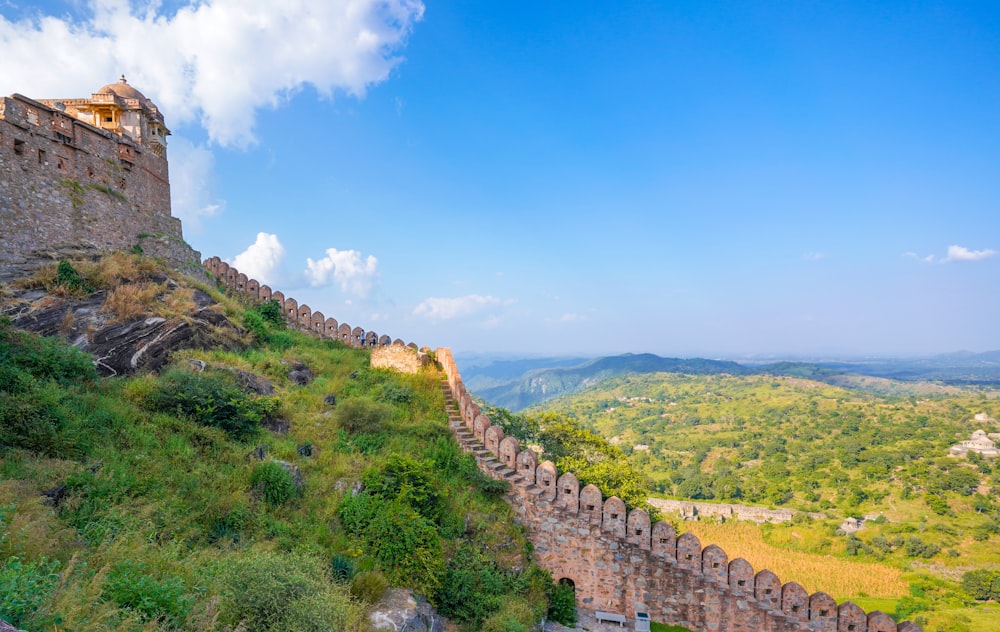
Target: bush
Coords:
[(69, 279), (982, 584), (211, 400), (562, 604), (915, 547), (412, 482), (131, 586), (342, 568), (514, 615), (266, 590), (472, 586), (369, 586), (24, 586), (274, 483), (271, 312), (360, 415)]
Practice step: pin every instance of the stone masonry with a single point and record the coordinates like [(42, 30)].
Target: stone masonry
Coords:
[(303, 318), (619, 562), (85, 176)]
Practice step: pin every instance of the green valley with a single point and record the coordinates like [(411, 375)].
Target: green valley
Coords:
[(830, 453)]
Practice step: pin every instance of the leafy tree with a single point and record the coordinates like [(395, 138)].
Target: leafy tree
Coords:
[(982, 584)]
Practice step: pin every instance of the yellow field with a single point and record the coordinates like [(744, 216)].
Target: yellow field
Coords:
[(839, 578)]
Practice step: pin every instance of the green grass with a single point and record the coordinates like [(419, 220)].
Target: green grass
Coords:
[(160, 494)]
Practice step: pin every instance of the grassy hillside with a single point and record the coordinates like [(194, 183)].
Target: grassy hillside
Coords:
[(162, 501), (807, 445)]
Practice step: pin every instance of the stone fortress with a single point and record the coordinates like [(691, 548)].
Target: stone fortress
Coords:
[(84, 176)]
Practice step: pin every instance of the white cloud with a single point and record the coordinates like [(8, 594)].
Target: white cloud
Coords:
[(192, 170), (449, 308), (815, 256), (215, 61), (345, 268), (961, 253), (955, 253), (262, 259)]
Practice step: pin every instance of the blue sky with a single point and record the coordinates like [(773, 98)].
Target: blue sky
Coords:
[(682, 178)]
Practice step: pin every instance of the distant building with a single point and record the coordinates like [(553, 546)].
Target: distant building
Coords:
[(979, 442), (984, 418)]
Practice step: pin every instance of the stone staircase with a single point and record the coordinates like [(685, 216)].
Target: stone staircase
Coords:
[(487, 461)]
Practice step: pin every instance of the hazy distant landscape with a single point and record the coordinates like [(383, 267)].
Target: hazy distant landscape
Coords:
[(519, 382), (831, 440)]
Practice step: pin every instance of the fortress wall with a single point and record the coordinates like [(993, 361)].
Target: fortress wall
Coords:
[(386, 352), (619, 562), (68, 186)]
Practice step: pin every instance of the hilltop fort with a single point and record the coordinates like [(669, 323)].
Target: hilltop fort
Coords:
[(90, 175), (84, 176)]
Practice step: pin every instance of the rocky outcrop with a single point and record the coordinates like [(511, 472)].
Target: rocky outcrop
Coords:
[(143, 343), (399, 610)]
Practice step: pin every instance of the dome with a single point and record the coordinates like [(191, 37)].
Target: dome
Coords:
[(123, 90)]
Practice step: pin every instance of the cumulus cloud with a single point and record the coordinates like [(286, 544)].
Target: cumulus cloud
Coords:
[(961, 253), (955, 253), (449, 308), (192, 168), (262, 259), (215, 61), (346, 268)]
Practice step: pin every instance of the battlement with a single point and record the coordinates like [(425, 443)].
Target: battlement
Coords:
[(302, 316), (618, 561)]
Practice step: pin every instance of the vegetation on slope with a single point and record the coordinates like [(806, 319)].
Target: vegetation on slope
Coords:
[(160, 502), (810, 446)]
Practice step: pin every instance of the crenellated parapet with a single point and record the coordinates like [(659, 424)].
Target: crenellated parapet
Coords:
[(298, 316), (618, 561)]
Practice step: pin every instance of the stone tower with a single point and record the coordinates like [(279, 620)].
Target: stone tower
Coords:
[(84, 175)]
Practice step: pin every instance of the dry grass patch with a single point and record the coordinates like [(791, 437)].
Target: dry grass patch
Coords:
[(119, 268), (126, 302), (842, 579)]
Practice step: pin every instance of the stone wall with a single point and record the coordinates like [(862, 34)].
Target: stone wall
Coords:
[(400, 358), (618, 561), (300, 317), (67, 186), (690, 510)]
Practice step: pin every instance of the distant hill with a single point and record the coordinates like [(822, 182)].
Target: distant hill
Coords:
[(542, 384), (517, 384)]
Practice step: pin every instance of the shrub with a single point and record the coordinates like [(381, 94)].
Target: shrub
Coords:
[(131, 586), (562, 604), (982, 584), (274, 483), (369, 586), (24, 587), (266, 590), (271, 312), (471, 588), (514, 615), (342, 568), (211, 400), (361, 415), (68, 278), (915, 547), (407, 546)]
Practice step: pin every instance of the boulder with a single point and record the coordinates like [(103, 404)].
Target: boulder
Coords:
[(300, 374), (400, 610)]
